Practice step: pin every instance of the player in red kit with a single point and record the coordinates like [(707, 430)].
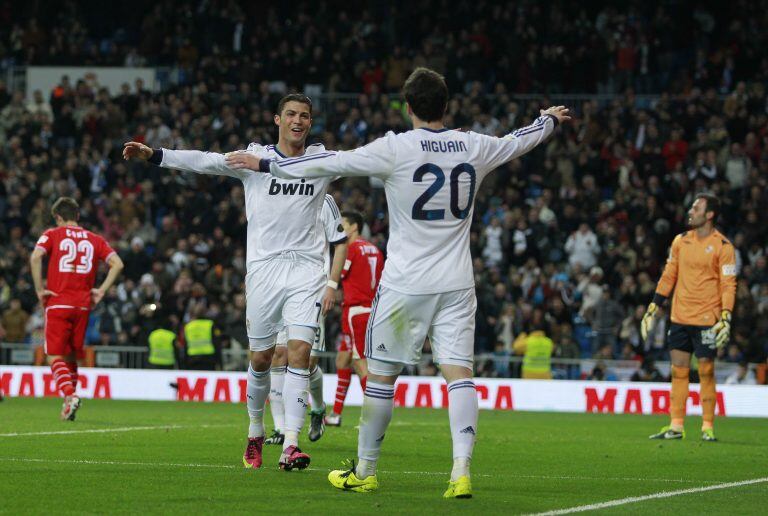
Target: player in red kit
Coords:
[(359, 280), (73, 259)]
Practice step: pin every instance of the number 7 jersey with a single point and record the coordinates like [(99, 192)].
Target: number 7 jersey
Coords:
[(430, 179), (73, 254)]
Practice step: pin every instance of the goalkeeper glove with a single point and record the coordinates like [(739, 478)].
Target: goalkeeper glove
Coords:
[(722, 329), (647, 323)]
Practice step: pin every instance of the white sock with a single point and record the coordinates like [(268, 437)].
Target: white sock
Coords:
[(257, 392), (462, 412), (316, 388), (295, 401), (277, 375), (376, 415)]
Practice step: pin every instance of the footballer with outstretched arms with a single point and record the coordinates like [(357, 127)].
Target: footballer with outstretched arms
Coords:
[(430, 176), (285, 283), (68, 294), (700, 275), (359, 281)]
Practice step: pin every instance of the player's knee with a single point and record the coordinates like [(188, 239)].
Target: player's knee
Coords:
[(261, 360), (280, 356), (680, 372), (383, 371), (706, 369), (313, 361)]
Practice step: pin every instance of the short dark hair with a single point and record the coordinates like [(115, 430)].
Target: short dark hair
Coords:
[(713, 204), (427, 94), (66, 208), (294, 97), (354, 218)]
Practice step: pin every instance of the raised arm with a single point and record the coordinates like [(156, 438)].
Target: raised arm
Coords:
[(187, 160), (497, 151), (375, 159)]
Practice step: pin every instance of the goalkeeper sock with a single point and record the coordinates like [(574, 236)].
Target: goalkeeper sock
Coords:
[(277, 378), (679, 396), (257, 392), (316, 389), (378, 403), (462, 413), (708, 393)]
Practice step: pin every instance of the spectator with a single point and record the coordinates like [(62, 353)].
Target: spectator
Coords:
[(582, 248), (14, 322), (743, 375), (648, 372)]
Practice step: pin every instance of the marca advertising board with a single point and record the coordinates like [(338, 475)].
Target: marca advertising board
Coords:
[(411, 391)]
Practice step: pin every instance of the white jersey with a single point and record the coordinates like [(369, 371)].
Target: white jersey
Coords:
[(283, 215), (430, 179)]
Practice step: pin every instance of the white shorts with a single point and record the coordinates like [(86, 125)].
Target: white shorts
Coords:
[(282, 292), (400, 323)]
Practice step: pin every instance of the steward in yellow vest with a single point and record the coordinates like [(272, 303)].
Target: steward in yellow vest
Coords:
[(536, 349), (162, 351), (200, 337)]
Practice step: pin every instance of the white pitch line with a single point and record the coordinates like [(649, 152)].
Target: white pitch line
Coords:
[(229, 466), (663, 494), (110, 430)]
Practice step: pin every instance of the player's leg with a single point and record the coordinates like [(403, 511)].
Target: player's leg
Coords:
[(79, 320), (452, 338), (257, 392), (277, 380), (396, 331), (706, 351), (58, 350), (343, 379), (680, 351), (295, 393), (359, 326), (317, 411)]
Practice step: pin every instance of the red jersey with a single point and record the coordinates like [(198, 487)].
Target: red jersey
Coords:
[(74, 254), (362, 272)]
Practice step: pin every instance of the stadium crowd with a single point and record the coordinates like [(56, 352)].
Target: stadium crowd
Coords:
[(570, 240)]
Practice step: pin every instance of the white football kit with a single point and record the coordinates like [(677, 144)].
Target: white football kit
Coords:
[(286, 243), (334, 234), (430, 180)]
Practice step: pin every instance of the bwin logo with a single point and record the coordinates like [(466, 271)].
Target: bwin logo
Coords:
[(302, 188)]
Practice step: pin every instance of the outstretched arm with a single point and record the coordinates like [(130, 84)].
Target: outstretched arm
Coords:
[(186, 160), (375, 159)]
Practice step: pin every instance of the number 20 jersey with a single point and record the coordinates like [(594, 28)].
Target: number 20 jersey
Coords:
[(430, 180), (73, 254)]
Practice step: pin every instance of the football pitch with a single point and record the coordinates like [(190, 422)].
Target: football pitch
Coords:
[(171, 458)]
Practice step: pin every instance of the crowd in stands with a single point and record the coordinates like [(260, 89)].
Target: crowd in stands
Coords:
[(569, 240)]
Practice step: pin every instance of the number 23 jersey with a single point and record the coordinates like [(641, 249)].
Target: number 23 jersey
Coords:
[(74, 254), (430, 179)]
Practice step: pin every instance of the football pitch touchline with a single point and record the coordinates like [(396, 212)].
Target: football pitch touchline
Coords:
[(109, 430), (231, 466), (663, 494)]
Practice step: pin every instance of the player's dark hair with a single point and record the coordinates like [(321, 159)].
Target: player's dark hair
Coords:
[(293, 97), (427, 94), (354, 218), (66, 208), (713, 204)]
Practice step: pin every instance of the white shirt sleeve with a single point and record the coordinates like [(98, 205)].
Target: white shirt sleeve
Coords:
[(375, 159), (201, 163), (334, 231), (497, 151)]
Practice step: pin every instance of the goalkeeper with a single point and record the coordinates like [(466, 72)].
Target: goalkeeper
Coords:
[(701, 270)]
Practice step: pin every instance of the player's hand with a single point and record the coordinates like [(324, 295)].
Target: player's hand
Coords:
[(648, 319), (722, 329), (559, 112), (242, 160), (136, 150), (43, 294), (329, 300), (97, 295)]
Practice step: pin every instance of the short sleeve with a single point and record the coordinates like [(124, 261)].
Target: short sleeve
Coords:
[(334, 231), (45, 242)]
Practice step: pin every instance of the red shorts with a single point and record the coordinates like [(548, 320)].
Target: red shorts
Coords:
[(354, 323), (65, 330)]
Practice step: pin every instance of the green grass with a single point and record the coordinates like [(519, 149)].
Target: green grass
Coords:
[(524, 463)]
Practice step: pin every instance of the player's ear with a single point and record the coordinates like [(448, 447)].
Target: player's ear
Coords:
[(277, 119)]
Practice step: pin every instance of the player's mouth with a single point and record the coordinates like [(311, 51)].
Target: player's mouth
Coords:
[(298, 131)]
